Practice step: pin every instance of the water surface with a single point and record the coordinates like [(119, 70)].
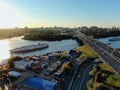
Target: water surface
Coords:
[(114, 44), (8, 44)]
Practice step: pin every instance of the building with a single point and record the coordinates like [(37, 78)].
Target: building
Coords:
[(22, 64), (39, 84)]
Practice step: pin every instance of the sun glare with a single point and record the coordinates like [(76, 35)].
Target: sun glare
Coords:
[(4, 50), (9, 16)]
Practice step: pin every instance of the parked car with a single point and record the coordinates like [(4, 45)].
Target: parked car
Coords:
[(44, 65), (49, 70)]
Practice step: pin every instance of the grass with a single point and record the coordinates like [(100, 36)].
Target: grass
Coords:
[(63, 54), (91, 36), (86, 52), (109, 79), (113, 79)]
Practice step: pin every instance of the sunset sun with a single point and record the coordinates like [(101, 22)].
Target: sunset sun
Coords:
[(9, 16)]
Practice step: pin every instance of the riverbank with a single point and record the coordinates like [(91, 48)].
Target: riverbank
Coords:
[(8, 44), (47, 37), (42, 66)]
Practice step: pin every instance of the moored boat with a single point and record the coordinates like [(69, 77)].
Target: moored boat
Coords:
[(29, 48), (114, 39)]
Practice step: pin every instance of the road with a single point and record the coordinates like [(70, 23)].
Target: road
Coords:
[(65, 80), (86, 77), (82, 77), (106, 53)]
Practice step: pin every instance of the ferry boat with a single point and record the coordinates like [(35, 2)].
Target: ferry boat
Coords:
[(114, 39), (29, 48)]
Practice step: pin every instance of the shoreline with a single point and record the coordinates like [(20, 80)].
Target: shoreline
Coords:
[(5, 60)]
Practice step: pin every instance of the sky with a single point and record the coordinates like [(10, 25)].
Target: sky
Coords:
[(61, 13)]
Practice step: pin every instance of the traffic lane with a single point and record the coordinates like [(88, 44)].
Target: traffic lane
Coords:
[(106, 47), (106, 57), (112, 61), (106, 53), (64, 82), (77, 81), (86, 77), (109, 60), (116, 53)]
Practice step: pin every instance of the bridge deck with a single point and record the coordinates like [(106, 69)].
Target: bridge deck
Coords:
[(107, 54)]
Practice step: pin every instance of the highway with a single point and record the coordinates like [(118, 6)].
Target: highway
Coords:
[(106, 53), (82, 77), (65, 80)]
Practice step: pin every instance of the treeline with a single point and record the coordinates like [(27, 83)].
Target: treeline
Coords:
[(97, 32), (49, 35), (9, 33), (54, 33)]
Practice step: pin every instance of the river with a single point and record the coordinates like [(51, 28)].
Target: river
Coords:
[(8, 44), (114, 44)]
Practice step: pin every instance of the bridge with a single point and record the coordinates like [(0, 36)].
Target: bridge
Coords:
[(106, 53)]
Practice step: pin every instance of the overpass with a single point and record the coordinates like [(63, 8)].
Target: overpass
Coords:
[(106, 53)]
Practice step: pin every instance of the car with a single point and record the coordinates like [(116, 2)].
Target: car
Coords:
[(44, 65), (49, 70), (104, 53)]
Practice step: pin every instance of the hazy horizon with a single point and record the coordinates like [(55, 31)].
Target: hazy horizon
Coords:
[(60, 13)]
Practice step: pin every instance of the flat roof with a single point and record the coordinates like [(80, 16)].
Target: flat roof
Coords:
[(38, 83)]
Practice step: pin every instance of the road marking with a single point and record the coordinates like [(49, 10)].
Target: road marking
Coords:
[(84, 76)]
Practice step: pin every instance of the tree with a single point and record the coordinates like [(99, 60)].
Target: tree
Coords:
[(101, 86), (97, 67), (12, 59), (66, 68)]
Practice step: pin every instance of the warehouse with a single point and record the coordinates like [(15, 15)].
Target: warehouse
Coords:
[(39, 84)]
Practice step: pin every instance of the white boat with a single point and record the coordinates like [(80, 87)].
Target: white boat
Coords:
[(114, 39), (29, 48)]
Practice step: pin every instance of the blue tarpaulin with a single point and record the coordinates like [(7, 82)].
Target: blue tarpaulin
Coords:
[(38, 83)]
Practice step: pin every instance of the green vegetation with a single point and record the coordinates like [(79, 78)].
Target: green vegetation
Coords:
[(49, 34), (46, 37), (12, 59), (41, 33), (66, 68), (101, 32), (103, 78), (63, 55), (86, 51), (9, 33)]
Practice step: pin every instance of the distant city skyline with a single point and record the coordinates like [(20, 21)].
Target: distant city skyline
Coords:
[(60, 13)]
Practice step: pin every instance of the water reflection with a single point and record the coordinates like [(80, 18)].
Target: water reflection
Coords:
[(114, 44), (7, 44), (4, 50)]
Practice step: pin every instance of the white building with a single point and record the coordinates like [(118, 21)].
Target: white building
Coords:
[(22, 64)]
